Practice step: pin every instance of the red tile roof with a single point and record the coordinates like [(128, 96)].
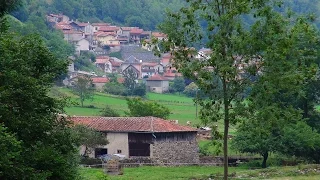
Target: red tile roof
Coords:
[(102, 59), (103, 34), (99, 80), (136, 31), (158, 34), (109, 28), (157, 77), (168, 74), (130, 124)]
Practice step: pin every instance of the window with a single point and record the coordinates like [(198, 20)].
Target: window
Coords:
[(100, 151), (119, 151)]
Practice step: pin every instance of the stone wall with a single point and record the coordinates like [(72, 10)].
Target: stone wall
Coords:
[(173, 151)]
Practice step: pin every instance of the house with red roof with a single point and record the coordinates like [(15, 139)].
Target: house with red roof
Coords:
[(135, 35), (99, 82), (103, 62), (157, 83), (151, 137), (106, 38)]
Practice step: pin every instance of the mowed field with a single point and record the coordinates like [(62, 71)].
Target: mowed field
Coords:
[(182, 108), (203, 172)]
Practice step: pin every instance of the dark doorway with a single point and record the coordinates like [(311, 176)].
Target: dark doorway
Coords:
[(139, 149), (100, 151)]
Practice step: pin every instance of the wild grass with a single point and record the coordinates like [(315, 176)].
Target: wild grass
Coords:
[(206, 172)]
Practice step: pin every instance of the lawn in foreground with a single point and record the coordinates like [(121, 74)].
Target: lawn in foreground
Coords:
[(203, 172)]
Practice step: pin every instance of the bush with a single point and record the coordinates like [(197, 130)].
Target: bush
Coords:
[(115, 88), (109, 112)]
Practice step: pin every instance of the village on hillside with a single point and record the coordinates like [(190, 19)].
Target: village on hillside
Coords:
[(103, 38)]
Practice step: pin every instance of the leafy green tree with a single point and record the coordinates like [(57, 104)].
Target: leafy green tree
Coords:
[(140, 108), (48, 147), (130, 80), (115, 88), (178, 84), (109, 112), (191, 90), (279, 99), (83, 88), (89, 138), (217, 75), (140, 90), (10, 154)]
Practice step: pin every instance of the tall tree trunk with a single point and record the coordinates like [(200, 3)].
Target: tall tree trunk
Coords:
[(226, 129), (265, 157)]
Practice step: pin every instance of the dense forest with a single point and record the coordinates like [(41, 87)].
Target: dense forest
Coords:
[(146, 14)]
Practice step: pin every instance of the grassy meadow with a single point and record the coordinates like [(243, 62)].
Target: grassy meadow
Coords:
[(301, 172), (182, 108)]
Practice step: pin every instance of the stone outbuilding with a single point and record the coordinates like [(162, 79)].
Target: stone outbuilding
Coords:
[(160, 140), (157, 83)]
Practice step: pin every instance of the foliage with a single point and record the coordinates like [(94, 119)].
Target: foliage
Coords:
[(10, 154), (130, 80), (115, 88), (191, 90), (83, 88), (140, 108), (89, 138), (48, 146), (178, 84), (140, 90), (280, 99), (211, 148), (300, 140), (81, 61), (109, 112), (217, 75)]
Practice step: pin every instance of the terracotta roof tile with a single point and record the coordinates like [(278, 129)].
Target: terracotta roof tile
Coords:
[(130, 124), (99, 80), (157, 77), (102, 59), (158, 34), (109, 28), (136, 31)]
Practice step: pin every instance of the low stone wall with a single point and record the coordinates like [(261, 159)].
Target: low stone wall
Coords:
[(175, 152)]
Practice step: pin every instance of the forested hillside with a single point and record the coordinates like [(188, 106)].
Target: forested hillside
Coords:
[(142, 13), (146, 14)]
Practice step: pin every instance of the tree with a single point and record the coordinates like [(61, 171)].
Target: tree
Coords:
[(109, 112), (83, 88), (191, 90), (279, 101), (115, 88), (140, 90), (130, 80), (139, 108), (217, 75), (48, 147), (178, 84), (89, 138)]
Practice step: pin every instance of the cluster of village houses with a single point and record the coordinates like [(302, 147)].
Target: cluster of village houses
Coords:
[(94, 37), (155, 138)]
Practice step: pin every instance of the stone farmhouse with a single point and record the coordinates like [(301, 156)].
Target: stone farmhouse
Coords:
[(158, 139), (157, 83)]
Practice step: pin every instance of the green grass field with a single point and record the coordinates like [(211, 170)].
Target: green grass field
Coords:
[(182, 108), (203, 172)]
